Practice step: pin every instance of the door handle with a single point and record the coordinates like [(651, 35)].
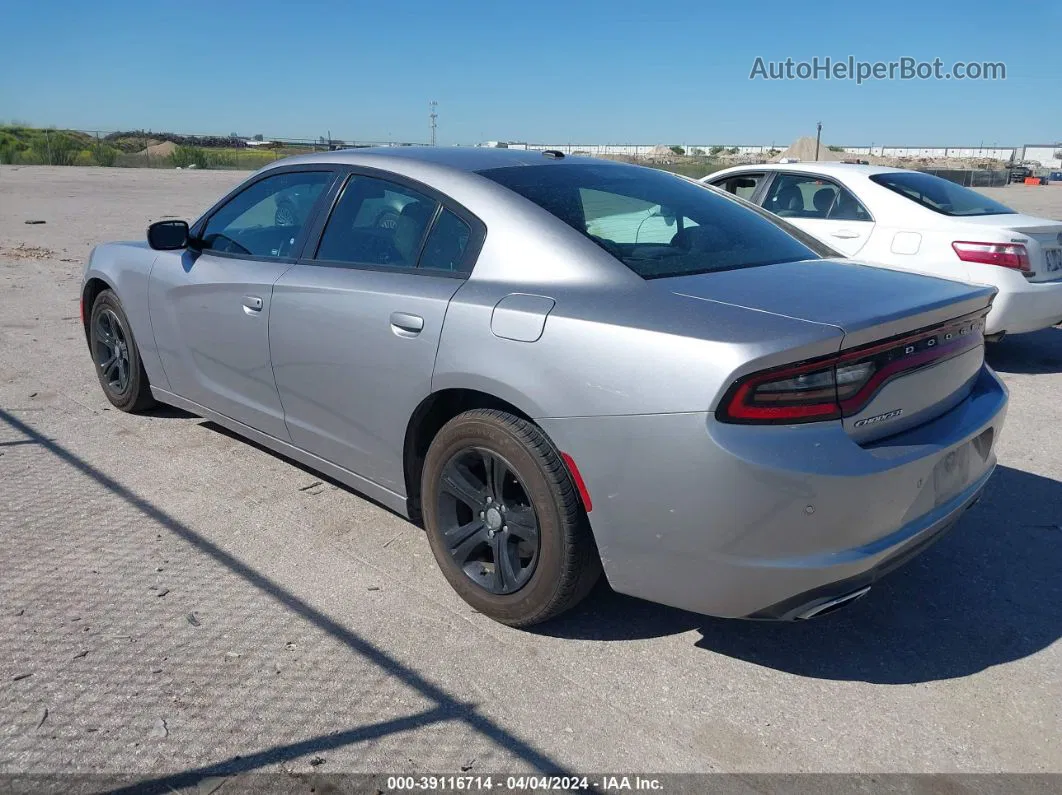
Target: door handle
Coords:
[(252, 304), (845, 234), (406, 325)]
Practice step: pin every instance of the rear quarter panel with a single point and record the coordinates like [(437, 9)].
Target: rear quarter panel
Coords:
[(615, 351)]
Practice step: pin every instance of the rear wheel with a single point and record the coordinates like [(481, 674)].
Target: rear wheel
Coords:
[(504, 520), (116, 357)]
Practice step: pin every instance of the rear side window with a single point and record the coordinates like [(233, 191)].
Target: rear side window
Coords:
[(939, 195), (445, 248), (655, 223), (376, 222), (809, 196)]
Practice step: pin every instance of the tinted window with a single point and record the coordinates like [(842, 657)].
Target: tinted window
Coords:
[(444, 250), (939, 195), (376, 222), (694, 229), (743, 185), (808, 196), (265, 219)]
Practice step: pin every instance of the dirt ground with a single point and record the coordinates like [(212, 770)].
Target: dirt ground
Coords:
[(174, 599)]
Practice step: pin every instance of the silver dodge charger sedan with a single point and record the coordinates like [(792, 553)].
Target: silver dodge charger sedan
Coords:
[(562, 366)]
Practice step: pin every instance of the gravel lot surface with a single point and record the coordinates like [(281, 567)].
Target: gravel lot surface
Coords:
[(176, 599)]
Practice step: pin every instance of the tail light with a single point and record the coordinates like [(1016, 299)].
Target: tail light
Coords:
[(1006, 255), (841, 385)]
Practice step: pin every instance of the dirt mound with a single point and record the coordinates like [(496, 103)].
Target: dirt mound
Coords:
[(165, 149), (803, 149)]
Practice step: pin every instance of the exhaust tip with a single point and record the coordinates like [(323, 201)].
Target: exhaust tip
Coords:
[(825, 606)]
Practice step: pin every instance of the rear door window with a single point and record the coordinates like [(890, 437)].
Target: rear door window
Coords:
[(377, 222), (808, 196)]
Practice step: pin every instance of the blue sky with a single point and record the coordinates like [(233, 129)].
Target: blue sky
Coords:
[(550, 72)]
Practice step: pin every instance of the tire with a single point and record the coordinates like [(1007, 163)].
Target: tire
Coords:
[(543, 582), (124, 381)]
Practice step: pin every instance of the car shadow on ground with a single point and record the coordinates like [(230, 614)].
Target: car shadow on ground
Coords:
[(986, 594), (1039, 352), (442, 706)]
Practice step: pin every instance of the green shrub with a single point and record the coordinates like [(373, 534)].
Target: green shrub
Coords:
[(9, 151), (220, 160), (55, 149), (184, 156), (678, 150), (104, 154), (716, 150)]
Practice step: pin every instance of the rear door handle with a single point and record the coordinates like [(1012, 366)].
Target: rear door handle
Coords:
[(845, 234), (406, 325), (252, 304)]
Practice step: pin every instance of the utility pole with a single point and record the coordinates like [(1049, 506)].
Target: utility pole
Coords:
[(433, 116), (818, 137)]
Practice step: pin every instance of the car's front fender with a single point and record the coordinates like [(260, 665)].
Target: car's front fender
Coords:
[(125, 269)]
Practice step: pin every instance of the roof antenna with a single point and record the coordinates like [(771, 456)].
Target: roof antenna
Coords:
[(433, 116)]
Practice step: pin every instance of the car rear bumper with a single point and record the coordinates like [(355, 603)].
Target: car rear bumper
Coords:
[(768, 522), (1021, 306)]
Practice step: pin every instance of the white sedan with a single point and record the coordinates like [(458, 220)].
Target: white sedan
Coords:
[(917, 222)]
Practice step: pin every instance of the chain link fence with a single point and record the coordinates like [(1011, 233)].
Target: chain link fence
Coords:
[(972, 178), (20, 145)]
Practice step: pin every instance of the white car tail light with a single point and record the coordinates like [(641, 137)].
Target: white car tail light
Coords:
[(1006, 255)]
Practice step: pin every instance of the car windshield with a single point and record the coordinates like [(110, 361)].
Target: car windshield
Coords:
[(655, 223), (939, 195)]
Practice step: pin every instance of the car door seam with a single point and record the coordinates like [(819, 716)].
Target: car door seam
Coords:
[(269, 349), (151, 321)]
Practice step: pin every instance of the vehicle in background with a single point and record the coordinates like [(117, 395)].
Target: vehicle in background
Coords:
[(715, 412), (1018, 173), (921, 223)]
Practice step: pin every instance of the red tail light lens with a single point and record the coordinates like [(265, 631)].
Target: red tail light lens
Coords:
[(1006, 255), (840, 386)]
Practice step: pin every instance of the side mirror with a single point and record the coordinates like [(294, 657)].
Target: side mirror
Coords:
[(168, 235)]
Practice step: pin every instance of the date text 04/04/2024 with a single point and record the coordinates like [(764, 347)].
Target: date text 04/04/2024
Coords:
[(616, 783)]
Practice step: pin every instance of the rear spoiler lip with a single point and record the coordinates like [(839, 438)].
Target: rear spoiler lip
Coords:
[(875, 329)]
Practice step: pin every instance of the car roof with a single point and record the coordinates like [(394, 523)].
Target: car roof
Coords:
[(815, 167), (461, 158)]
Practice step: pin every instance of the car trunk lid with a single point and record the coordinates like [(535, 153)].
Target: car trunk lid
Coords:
[(924, 336), (1041, 237)]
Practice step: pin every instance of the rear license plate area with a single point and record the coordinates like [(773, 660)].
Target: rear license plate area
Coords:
[(1053, 259)]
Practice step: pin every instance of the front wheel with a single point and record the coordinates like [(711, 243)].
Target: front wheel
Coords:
[(504, 520), (116, 357)]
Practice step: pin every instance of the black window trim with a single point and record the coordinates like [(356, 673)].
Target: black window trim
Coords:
[(478, 230), (775, 173), (330, 169)]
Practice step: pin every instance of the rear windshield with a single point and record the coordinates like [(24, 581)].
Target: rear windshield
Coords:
[(939, 195), (655, 223)]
